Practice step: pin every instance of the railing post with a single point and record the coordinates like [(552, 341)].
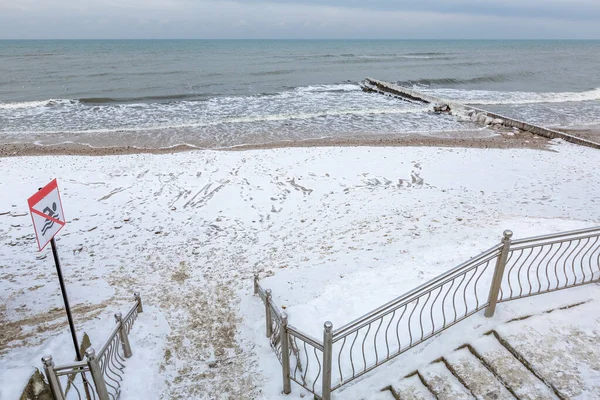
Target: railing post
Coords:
[(285, 354), (498, 274), (327, 358), (268, 313), (53, 380), (256, 283), (97, 375), (123, 335), (138, 298)]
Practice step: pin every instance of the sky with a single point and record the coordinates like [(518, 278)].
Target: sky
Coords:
[(300, 19)]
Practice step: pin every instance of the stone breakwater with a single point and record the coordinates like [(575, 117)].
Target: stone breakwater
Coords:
[(464, 111)]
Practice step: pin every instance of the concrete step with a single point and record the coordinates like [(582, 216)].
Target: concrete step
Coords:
[(411, 388), (383, 395), (481, 382), (443, 384), (566, 356), (523, 383), (553, 354)]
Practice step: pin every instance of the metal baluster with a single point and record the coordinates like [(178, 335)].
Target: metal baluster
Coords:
[(97, 375), (53, 380), (138, 298), (327, 359), (256, 283), (498, 273), (123, 335), (285, 354), (268, 313)]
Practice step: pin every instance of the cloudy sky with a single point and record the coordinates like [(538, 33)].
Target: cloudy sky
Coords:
[(506, 19)]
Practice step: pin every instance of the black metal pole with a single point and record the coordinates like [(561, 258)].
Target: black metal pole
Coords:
[(63, 290), (66, 299)]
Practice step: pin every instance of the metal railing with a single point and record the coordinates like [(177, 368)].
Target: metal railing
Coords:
[(507, 271), (548, 263), (105, 368)]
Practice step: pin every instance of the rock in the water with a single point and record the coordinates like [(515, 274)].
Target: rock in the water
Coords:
[(498, 121), (442, 108), (481, 117), (488, 120), (470, 112)]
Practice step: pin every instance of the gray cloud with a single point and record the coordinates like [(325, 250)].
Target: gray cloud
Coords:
[(558, 9), (299, 19)]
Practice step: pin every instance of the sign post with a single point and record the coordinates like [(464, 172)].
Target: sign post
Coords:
[(48, 219)]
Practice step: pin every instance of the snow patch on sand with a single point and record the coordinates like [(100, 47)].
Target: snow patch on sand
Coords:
[(333, 231)]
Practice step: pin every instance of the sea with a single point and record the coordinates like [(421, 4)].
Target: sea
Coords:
[(222, 93)]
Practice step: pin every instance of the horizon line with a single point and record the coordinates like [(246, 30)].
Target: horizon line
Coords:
[(314, 39)]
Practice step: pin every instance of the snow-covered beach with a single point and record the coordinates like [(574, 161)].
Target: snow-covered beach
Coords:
[(334, 232)]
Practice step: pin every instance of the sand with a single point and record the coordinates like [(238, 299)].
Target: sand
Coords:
[(500, 141), (591, 134)]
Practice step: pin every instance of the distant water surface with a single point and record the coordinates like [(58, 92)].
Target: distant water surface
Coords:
[(158, 93)]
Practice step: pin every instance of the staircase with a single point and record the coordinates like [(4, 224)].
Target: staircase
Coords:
[(544, 357)]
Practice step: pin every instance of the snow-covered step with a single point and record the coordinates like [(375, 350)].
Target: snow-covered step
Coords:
[(382, 395), (482, 383), (566, 356), (523, 382), (443, 384), (411, 388)]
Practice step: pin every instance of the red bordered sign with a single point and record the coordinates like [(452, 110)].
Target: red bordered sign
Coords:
[(47, 213)]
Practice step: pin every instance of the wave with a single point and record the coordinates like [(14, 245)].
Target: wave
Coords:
[(457, 81), (358, 58), (104, 101), (35, 104), (34, 55), (424, 57), (341, 87), (143, 99), (485, 97), (427, 54), (243, 120), (269, 73), (95, 101)]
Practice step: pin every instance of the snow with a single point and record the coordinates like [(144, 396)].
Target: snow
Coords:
[(334, 232)]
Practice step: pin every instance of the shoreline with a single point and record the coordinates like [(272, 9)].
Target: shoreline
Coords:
[(591, 133), (501, 141)]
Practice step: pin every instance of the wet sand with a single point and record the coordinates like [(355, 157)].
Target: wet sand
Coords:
[(501, 141), (591, 134)]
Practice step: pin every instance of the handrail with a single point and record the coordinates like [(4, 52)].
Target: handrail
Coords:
[(76, 364), (72, 371), (112, 335), (132, 310), (305, 337), (398, 300), (556, 235), (558, 239), (577, 264), (105, 367)]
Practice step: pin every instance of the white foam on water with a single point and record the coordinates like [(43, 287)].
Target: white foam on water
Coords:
[(248, 120), (347, 87), (336, 110), (497, 97), (24, 104), (300, 104), (417, 57)]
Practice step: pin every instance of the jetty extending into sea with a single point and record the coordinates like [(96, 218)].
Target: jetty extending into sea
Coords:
[(476, 115)]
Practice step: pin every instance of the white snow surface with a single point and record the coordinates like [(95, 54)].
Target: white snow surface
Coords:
[(334, 232)]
